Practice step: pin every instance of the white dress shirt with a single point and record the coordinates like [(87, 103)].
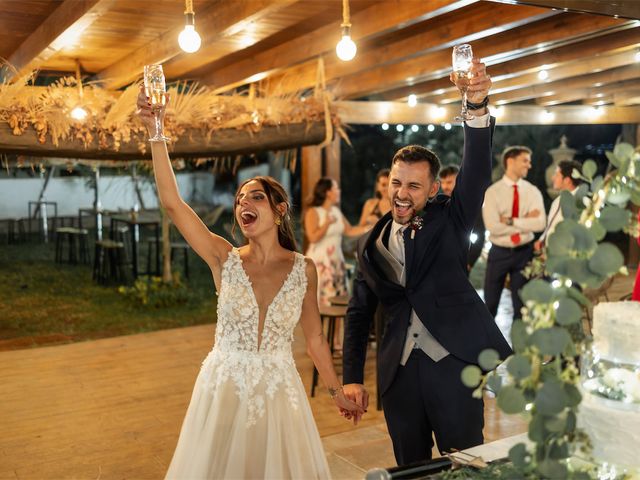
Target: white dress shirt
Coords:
[(554, 218), (498, 201)]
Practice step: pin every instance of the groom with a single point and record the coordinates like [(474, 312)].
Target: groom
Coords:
[(414, 263)]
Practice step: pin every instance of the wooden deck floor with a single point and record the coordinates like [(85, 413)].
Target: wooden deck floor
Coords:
[(112, 409)]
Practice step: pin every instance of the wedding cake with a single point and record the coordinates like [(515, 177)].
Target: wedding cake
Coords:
[(610, 408)]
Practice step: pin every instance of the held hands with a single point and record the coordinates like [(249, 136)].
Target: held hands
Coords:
[(348, 409), (477, 85), (146, 113), (358, 395)]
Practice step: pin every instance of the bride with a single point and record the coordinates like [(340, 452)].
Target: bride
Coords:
[(249, 416)]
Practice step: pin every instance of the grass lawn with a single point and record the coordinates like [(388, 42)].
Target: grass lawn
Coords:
[(42, 302)]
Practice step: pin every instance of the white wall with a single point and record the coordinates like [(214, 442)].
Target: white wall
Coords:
[(72, 193)]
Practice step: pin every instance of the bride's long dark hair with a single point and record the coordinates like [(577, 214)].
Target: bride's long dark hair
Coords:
[(276, 195)]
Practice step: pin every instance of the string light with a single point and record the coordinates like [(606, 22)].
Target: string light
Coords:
[(415, 128), (543, 74), (189, 40), (399, 128), (431, 127), (346, 48), (412, 100), (385, 126)]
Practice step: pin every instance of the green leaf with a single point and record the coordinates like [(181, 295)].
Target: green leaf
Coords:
[(568, 205), (589, 169), (519, 336), (559, 451), (551, 341), (537, 431), (568, 312), (519, 367), (519, 456), (578, 297), (606, 260), (620, 197), (597, 230), (560, 242), (615, 161), (582, 238), (551, 398), (596, 184), (511, 400), (558, 264), (494, 382), (489, 359), (578, 270), (538, 291), (623, 151), (614, 218), (552, 469), (574, 397), (635, 195), (471, 376), (556, 423), (571, 420)]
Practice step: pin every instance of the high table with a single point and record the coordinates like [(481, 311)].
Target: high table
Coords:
[(133, 220)]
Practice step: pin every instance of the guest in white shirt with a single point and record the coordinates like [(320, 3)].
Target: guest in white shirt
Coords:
[(561, 180), (513, 210)]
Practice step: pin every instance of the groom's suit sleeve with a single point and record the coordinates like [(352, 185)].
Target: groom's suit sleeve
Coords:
[(362, 308), (474, 177)]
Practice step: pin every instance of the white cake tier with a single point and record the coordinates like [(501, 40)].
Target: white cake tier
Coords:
[(616, 331), (614, 429)]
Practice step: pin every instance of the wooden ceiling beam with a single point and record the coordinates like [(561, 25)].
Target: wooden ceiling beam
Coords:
[(631, 97), (499, 69), (63, 27), (540, 90), (537, 36), (624, 9), (467, 25), (221, 19), (382, 17), (584, 66), (591, 94), (371, 113)]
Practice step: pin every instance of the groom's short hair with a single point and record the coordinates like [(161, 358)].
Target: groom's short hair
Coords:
[(418, 153)]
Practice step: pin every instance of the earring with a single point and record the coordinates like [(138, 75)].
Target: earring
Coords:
[(278, 221)]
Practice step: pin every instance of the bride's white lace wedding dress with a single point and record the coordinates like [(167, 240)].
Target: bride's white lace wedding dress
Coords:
[(249, 416)]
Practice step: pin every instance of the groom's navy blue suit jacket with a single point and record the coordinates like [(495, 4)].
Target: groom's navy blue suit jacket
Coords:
[(436, 285)]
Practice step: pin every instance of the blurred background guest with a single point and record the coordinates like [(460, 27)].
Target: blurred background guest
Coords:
[(379, 205), (513, 210), (562, 180), (448, 176)]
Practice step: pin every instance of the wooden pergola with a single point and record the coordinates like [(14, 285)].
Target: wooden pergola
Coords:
[(552, 61)]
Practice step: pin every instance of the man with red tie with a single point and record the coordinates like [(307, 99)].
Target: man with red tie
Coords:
[(513, 210)]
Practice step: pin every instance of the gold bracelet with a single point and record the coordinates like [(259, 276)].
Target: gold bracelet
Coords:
[(333, 391)]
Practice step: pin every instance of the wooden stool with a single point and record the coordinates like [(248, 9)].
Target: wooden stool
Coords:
[(330, 314), (110, 262), (76, 253)]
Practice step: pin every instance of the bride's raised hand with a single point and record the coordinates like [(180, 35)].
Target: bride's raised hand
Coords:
[(145, 111)]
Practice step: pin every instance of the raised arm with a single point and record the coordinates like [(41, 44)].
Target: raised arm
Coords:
[(318, 347), (367, 210), (354, 230), (312, 227), (212, 248)]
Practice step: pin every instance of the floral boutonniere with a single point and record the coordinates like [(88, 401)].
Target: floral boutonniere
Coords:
[(416, 223)]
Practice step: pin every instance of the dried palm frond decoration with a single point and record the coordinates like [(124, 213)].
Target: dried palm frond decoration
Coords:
[(111, 120)]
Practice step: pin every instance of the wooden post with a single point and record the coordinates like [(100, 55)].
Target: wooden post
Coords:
[(310, 173), (332, 162)]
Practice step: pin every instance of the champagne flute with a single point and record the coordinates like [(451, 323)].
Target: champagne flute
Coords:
[(155, 88), (461, 59)]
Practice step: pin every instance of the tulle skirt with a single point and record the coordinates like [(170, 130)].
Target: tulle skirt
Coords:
[(241, 424)]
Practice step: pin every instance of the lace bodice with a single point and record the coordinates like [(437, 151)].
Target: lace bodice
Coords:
[(255, 370), (238, 314)]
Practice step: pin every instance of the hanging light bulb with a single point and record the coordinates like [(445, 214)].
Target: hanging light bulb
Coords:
[(346, 48), (189, 40), (79, 112)]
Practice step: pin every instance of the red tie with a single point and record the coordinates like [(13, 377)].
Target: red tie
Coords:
[(515, 208)]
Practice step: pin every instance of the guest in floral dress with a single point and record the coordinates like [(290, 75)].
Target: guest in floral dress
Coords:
[(324, 226)]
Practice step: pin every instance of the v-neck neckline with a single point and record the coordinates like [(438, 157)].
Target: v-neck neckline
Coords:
[(260, 338)]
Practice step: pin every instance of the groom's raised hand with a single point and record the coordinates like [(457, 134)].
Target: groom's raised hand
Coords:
[(479, 83), (358, 394)]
